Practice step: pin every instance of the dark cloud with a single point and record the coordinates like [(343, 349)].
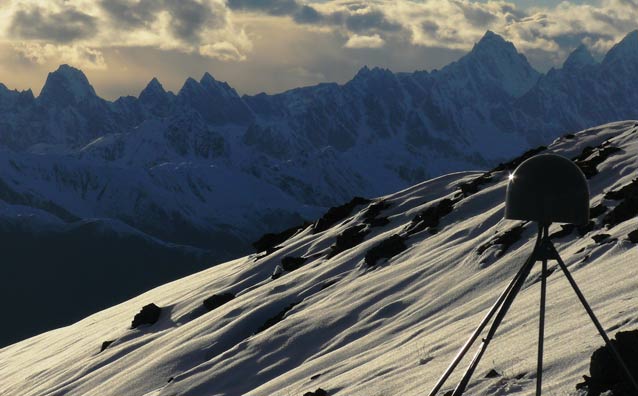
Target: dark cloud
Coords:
[(62, 27), (189, 17), (132, 14), (307, 15), (374, 20), (272, 7), (478, 16)]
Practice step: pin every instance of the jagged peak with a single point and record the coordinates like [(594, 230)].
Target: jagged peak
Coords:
[(66, 84), (492, 42), (153, 88), (580, 57), (625, 48), (207, 78)]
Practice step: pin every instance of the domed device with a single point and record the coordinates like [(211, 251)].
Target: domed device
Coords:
[(548, 188)]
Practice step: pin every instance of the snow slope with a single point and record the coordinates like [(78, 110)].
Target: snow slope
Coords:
[(358, 329)]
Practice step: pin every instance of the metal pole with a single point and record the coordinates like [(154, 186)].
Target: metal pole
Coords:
[(602, 332), (507, 303), (541, 322), (468, 344)]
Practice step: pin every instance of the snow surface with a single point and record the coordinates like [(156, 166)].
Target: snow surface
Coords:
[(387, 330)]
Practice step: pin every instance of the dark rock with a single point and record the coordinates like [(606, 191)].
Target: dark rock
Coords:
[(374, 210), (348, 239), (492, 374), (170, 380), (290, 263), (569, 136), (630, 189), (506, 239), (565, 230), (633, 236), (314, 377), (600, 238), (275, 319), (624, 211), (318, 392), (337, 214), (431, 216), (596, 211), (386, 249), (606, 374), (148, 315), (379, 222), (269, 242), (106, 344), (217, 300), (591, 157), (472, 187), (511, 165), (585, 229)]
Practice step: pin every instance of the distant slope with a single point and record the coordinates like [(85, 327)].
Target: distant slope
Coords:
[(193, 166), (376, 299), (56, 274)]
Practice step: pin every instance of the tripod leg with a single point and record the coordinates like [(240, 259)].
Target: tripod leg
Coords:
[(541, 330), (468, 344), (600, 329), (507, 303)]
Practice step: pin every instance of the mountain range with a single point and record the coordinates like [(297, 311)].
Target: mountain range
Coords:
[(206, 170), (374, 298)]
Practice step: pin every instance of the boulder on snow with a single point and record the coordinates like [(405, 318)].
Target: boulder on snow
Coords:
[(472, 186), (318, 392), (513, 164), (290, 263), (606, 374), (348, 239), (217, 300), (268, 242), (599, 238), (633, 236), (431, 216), (148, 315), (505, 240), (106, 344), (385, 250), (591, 157), (338, 213)]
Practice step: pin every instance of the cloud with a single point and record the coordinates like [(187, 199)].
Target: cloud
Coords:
[(63, 26), (41, 53), (81, 29), (356, 41)]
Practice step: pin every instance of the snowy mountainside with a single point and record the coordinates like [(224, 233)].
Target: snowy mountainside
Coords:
[(375, 298)]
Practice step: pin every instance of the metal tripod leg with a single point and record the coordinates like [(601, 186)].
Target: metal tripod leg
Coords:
[(600, 329), (541, 323), (507, 303), (497, 305)]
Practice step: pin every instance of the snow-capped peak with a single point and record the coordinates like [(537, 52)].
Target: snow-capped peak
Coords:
[(493, 58), (580, 57), (66, 86)]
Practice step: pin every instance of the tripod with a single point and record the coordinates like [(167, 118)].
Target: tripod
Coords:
[(543, 251)]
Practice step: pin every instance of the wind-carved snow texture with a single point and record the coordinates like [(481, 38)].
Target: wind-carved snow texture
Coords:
[(333, 322)]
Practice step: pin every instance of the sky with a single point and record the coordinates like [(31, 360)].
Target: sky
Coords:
[(274, 45)]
